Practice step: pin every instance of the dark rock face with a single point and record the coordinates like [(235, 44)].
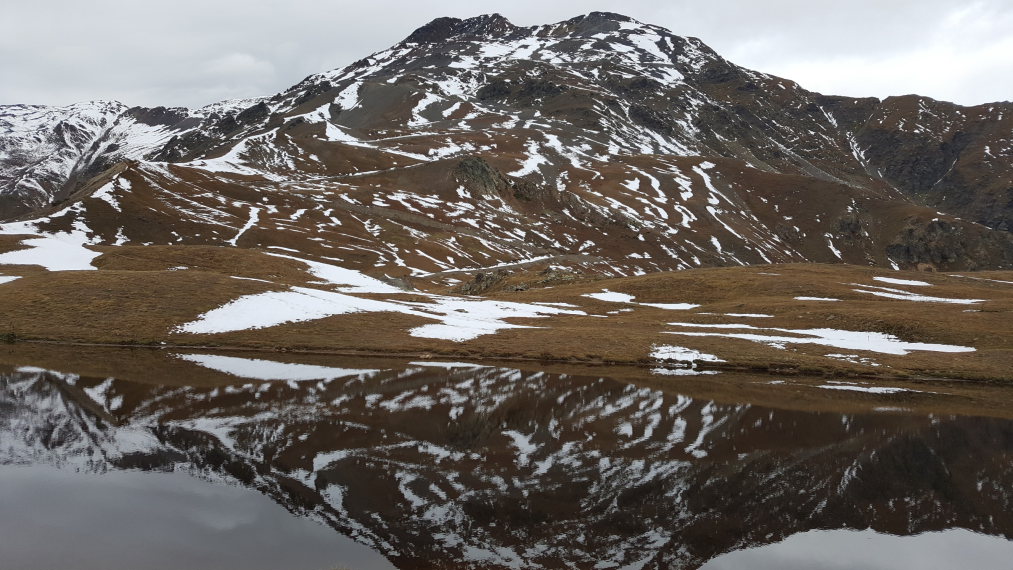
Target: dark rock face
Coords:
[(255, 114), (480, 178), (442, 29), (477, 176), (945, 246), (596, 23), (944, 155), (483, 282), (158, 115)]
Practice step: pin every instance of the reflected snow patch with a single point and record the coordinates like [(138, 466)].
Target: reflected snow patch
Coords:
[(869, 549), (448, 365), (866, 389), (258, 369)]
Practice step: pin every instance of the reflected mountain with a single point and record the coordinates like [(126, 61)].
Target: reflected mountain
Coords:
[(466, 466)]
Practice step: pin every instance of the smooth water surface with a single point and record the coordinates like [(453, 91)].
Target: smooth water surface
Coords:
[(58, 518), (466, 466), (869, 550)]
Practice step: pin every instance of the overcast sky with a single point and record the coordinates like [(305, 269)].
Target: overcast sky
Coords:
[(195, 52)]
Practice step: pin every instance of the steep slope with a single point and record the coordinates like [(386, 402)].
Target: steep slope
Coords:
[(42, 148), (48, 152), (958, 159)]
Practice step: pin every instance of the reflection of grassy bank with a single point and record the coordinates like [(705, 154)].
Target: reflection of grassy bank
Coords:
[(135, 299), (152, 366)]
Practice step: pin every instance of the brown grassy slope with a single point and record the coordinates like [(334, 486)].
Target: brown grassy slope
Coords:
[(12, 242), (113, 306), (748, 290), (133, 299), (226, 261), (629, 336)]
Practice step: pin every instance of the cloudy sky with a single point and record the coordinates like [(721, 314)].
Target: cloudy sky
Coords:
[(194, 52)]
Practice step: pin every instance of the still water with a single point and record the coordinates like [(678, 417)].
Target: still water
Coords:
[(197, 460)]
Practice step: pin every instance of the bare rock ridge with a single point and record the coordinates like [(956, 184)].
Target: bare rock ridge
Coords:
[(442, 29), (476, 142)]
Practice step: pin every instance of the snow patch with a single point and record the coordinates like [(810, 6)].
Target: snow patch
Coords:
[(681, 354), (64, 251), (348, 280), (459, 319), (252, 221), (610, 297), (894, 281), (902, 295), (614, 297), (670, 306), (847, 340)]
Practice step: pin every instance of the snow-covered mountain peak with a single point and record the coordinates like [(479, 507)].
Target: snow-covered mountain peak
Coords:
[(36, 119), (583, 39)]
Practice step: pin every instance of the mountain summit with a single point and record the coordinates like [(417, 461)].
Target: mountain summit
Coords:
[(442, 29)]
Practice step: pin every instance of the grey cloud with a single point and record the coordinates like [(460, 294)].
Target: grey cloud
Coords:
[(193, 52)]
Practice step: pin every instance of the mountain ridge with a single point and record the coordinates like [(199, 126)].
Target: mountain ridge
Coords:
[(590, 126)]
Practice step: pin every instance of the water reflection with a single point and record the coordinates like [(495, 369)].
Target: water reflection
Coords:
[(55, 518), (869, 550), (483, 467)]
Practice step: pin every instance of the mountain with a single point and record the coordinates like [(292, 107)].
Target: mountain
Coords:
[(598, 143)]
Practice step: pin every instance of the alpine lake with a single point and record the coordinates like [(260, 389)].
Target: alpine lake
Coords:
[(184, 458)]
